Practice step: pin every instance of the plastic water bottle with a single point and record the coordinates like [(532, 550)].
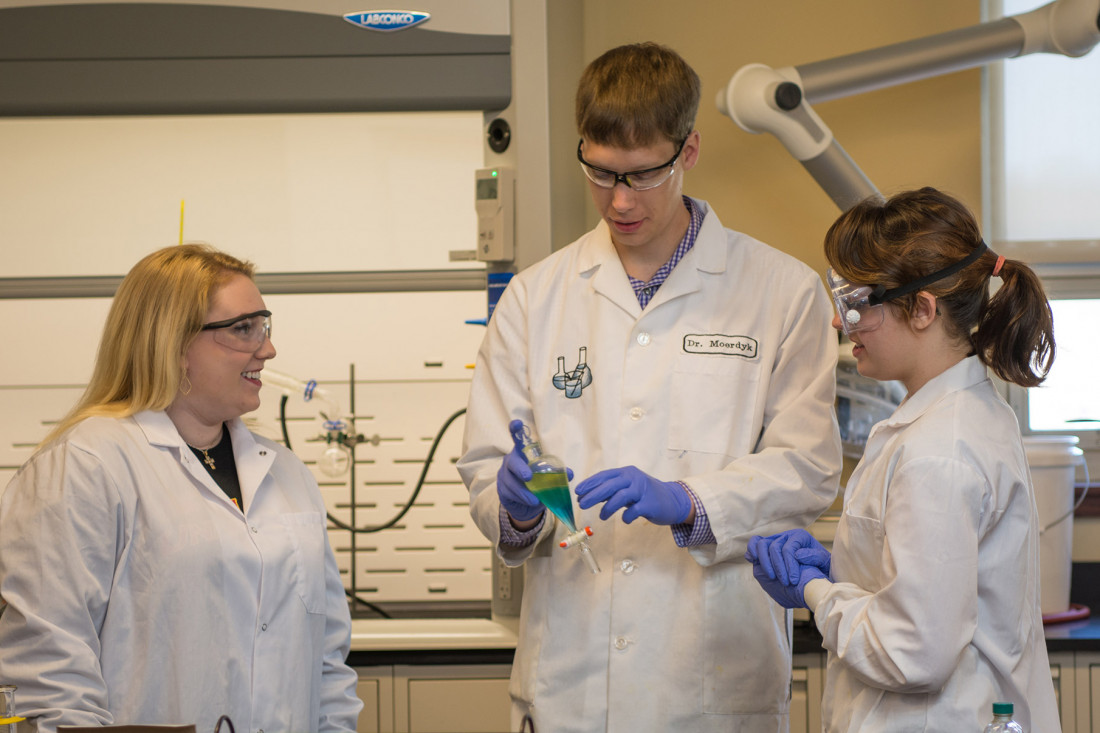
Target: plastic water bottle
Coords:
[(1002, 720)]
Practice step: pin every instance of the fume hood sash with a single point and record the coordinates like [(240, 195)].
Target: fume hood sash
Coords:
[(185, 58)]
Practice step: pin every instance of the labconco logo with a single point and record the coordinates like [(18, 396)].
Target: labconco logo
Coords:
[(387, 20)]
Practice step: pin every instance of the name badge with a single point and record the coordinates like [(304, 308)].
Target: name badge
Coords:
[(720, 345)]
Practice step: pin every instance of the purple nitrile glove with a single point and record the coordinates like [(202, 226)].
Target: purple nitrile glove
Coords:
[(661, 502), (515, 497), (788, 596), (789, 551), (758, 552)]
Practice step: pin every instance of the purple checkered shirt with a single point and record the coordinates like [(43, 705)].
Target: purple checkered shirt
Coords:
[(646, 290)]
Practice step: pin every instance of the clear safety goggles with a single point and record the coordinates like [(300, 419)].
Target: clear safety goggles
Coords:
[(860, 306), (244, 333), (857, 306), (642, 180)]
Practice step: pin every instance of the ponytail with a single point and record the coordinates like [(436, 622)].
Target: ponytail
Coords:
[(1015, 335)]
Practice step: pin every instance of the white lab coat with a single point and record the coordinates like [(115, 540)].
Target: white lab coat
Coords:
[(726, 381), (934, 615), (138, 593)]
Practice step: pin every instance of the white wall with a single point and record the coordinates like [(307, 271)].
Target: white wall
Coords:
[(293, 193), (383, 191)]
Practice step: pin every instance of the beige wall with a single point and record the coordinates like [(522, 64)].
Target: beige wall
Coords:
[(923, 133)]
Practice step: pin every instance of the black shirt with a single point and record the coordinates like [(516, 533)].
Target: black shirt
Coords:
[(220, 464)]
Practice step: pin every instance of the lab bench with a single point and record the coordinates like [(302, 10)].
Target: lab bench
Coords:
[(450, 675)]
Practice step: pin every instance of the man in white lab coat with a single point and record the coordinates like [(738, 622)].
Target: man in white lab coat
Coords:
[(685, 373)]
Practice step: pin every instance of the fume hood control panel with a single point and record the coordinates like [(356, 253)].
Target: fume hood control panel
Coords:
[(495, 203)]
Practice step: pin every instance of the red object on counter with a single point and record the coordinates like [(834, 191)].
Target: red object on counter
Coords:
[(1075, 612)]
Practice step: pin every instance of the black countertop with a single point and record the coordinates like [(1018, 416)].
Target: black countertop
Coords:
[(1072, 636)]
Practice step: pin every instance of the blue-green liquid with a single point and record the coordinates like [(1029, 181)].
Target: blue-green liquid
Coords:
[(552, 489)]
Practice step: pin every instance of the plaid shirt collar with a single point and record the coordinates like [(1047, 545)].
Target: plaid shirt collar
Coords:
[(646, 290)]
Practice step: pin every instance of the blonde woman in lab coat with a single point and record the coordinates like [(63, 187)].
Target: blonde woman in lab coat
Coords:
[(161, 563), (929, 603), (686, 373)]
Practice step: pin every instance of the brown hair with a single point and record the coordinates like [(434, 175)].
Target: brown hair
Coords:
[(156, 313), (637, 95), (917, 233)]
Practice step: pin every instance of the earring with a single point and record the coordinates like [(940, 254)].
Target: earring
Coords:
[(185, 390)]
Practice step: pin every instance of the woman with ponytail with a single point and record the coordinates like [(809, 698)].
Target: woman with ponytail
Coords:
[(928, 604)]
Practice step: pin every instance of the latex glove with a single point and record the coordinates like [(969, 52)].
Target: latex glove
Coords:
[(515, 497), (782, 556), (661, 502), (788, 596)]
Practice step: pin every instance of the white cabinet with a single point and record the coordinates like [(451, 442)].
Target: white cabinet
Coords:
[(375, 689), (474, 698), (807, 678), (1062, 673), (435, 699), (1086, 680)]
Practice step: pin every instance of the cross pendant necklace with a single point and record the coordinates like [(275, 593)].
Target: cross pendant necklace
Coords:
[(207, 459)]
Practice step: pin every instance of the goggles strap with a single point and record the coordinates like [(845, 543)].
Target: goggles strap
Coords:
[(881, 294)]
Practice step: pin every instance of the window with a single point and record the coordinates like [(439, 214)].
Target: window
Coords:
[(1044, 160), (1068, 401), (1045, 154)]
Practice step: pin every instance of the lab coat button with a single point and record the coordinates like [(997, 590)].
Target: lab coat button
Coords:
[(620, 643), (643, 339), (627, 567), (636, 413), (263, 627), (254, 529)]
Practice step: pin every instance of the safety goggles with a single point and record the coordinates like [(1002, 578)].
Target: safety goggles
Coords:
[(860, 306), (244, 333), (854, 304), (642, 180)]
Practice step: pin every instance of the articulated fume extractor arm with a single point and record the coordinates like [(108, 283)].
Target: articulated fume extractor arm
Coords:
[(762, 99)]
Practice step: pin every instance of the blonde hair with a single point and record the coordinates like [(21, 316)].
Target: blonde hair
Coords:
[(156, 313)]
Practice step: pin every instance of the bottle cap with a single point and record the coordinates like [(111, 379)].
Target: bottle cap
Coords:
[(1002, 708)]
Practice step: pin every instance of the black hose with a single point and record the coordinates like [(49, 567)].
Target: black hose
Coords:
[(367, 603), (400, 514), (419, 483), (416, 491)]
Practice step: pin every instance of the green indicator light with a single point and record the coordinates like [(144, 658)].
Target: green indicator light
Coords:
[(494, 174)]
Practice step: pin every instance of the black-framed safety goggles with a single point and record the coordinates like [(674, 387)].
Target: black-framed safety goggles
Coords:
[(642, 180), (243, 333)]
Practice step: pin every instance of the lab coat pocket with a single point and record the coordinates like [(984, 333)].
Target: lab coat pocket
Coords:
[(713, 405), (858, 550), (307, 537)]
